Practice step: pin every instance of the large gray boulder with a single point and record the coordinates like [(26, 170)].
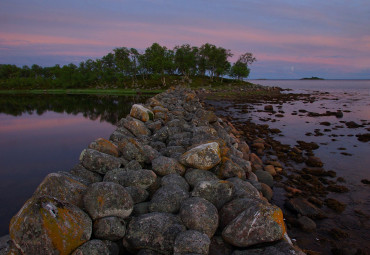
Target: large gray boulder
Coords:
[(168, 199), (104, 199), (175, 179), (164, 165), (99, 162), (282, 247), (243, 189), (217, 192), (204, 156), (92, 247), (109, 228), (193, 176), (139, 178), (131, 149), (154, 231), (193, 242), (45, 225), (85, 174)]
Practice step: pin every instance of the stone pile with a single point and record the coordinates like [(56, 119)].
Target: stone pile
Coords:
[(172, 179)]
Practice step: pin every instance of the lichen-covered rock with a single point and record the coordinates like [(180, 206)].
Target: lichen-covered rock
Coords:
[(216, 192), (264, 177), (204, 156), (243, 189), (139, 178), (104, 199), (199, 214), (270, 169), (282, 247), (131, 149), (45, 225), (164, 165), (229, 169), (99, 162), (191, 241), (154, 231), (62, 188), (88, 175), (141, 113), (168, 199), (175, 179), (92, 247), (193, 176), (259, 223), (150, 154), (173, 151), (255, 160), (109, 228), (137, 194), (161, 134), (104, 146), (133, 165), (136, 127), (119, 134)]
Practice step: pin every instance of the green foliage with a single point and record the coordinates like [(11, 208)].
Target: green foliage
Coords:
[(123, 68)]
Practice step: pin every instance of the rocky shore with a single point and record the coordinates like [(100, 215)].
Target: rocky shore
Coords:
[(172, 179)]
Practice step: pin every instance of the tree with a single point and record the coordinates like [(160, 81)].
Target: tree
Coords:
[(240, 69), (186, 60)]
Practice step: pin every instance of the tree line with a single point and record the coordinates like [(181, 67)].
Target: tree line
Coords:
[(126, 67)]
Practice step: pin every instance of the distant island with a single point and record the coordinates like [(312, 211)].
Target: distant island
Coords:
[(312, 78)]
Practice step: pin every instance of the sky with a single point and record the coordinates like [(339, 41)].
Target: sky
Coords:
[(290, 38)]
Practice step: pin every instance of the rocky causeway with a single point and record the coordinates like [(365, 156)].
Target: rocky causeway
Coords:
[(173, 178)]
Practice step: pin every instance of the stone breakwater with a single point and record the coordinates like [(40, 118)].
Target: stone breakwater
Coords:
[(172, 179)]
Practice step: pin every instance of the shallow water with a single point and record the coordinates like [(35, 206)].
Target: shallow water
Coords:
[(43, 134)]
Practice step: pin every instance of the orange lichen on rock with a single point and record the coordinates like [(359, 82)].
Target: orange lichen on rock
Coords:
[(277, 216), (105, 146)]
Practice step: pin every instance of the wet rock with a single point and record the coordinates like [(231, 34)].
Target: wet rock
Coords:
[(352, 124), (204, 156), (199, 214), (105, 146), (337, 188), (99, 162), (62, 188), (269, 108), (136, 127), (314, 161), (141, 113), (259, 223), (335, 205), (109, 228), (131, 149), (154, 231), (283, 247), (365, 181), (164, 165), (325, 123), (104, 199), (175, 179), (270, 169), (307, 146), (83, 173), (193, 176), (305, 208), (137, 194), (216, 192), (92, 247), (306, 224), (168, 199), (267, 191), (193, 242), (363, 137), (243, 189), (139, 178), (45, 225), (264, 177)]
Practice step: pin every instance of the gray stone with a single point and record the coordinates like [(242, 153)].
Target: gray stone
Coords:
[(45, 225), (141, 113), (267, 191), (88, 175), (204, 156), (119, 134), (99, 162), (265, 177), (173, 151), (158, 145), (168, 199), (193, 176), (139, 178), (150, 154), (104, 146), (136, 127), (133, 165), (109, 228), (92, 247), (164, 165), (199, 214), (154, 231), (302, 206), (112, 247), (191, 241), (175, 179), (280, 248), (104, 199), (161, 135), (243, 189), (137, 194), (131, 149), (216, 192), (219, 247), (141, 208)]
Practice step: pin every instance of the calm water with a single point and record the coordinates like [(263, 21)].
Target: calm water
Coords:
[(40, 134)]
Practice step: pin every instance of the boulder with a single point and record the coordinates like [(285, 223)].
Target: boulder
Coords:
[(62, 188), (282, 247), (119, 134), (264, 177), (255, 160), (314, 162), (136, 127), (168, 199), (205, 156), (270, 169), (306, 224), (131, 149), (45, 225), (193, 176), (92, 247), (243, 189), (199, 214), (133, 165), (154, 231), (230, 169), (105, 146), (150, 154), (267, 191), (164, 165), (192, 242), (83, 173), (302, 206), (259, 223), (141, 113), (216, 192), (175, 179), (109, 228), (99, 162), (137, 194), (104, 199), (112, 247), (139, 178)]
